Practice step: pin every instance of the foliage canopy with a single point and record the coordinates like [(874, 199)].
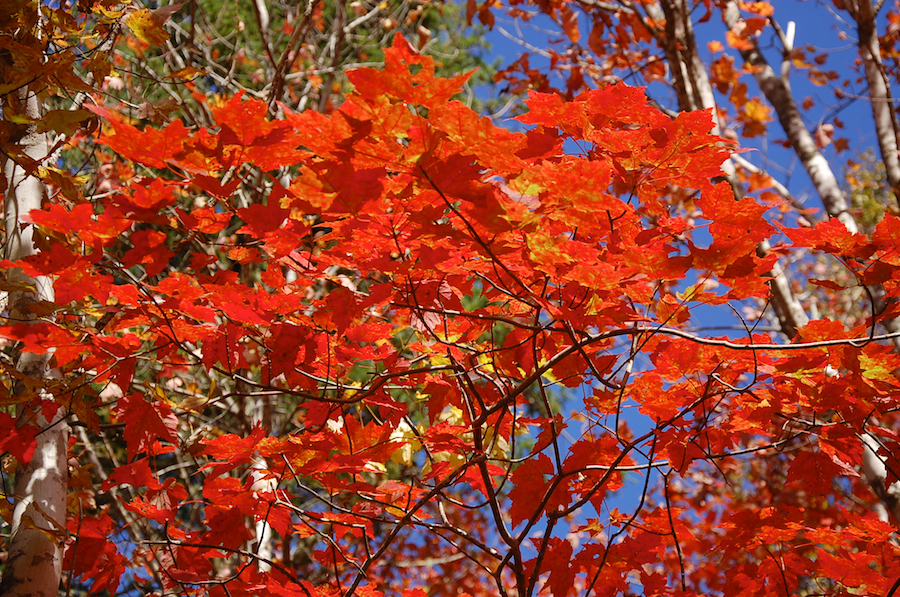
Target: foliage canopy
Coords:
[(321, 354)]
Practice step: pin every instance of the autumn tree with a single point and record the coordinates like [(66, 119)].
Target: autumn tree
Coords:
[(38, 435), (307, 353), (739, 60), (161, 62)]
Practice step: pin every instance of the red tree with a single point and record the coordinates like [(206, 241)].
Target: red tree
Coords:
[(401, 310)]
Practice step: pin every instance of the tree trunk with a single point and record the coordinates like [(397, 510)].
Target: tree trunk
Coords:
[(34, 564), (879, 91), (778, 91), (695, 92)]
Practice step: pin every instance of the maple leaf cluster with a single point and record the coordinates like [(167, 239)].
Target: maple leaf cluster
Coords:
[(414, 290)]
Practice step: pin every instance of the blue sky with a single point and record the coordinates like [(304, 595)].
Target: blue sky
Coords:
[(817, 23)]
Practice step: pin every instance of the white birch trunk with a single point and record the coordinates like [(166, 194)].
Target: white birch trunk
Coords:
[(778, 92), (880, 95), (262, 414), (34, 564), (694, 92)]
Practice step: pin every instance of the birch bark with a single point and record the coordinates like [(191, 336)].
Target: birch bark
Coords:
[(880, 96), (695, 92), (692, 87), (778, 92), (34, 564)]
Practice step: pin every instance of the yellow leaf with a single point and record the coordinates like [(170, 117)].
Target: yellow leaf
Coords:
[(186, 74), (872, 368), (66, 122), (404, 455), (112, 14), (6, 509), (147, 28)]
